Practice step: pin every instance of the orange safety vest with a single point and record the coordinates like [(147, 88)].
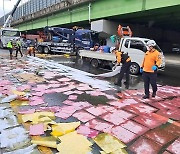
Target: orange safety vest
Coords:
[(31, 50), (121, 57)]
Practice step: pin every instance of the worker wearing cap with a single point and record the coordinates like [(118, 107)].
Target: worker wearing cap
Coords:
[(123, 58), (18, 47), (151, 62), (95, 48), (10, 48)]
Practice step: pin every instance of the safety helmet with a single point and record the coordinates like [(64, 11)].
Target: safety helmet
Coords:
[(112, 48), (151, 43)]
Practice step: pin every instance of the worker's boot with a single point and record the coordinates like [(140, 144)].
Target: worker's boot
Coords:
[(154, 94), (118, 83), (119, 89), (145, 97), (10, 57)]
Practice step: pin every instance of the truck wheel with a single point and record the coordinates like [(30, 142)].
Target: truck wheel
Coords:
[(94, 63), (80, 61), (40, 49), (134, 68), (78, 51), (46, 50)]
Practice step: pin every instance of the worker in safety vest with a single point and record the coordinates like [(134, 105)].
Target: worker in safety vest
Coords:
[(31, 50), (10, 48), (151, 62), (123, 58), (18, 47)]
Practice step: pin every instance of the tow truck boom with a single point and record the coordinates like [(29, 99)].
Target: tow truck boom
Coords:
[(7, 32), (8, 20)]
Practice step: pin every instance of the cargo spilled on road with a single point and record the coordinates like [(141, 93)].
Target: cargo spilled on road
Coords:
[(57, 103)]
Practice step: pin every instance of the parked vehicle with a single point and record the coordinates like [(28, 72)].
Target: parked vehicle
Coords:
[(7, 34), (66, 40), (176, 48)]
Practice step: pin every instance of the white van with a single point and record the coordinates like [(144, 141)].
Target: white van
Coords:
[(134, 46)]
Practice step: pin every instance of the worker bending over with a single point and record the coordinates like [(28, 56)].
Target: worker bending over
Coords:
[(123, 58), (31, 50), (152, 61)]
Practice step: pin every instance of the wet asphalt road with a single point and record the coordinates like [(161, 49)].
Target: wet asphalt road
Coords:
[(170, 76)]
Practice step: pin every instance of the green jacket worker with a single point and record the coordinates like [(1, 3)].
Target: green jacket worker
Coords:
[(10, 48), (18, 47)]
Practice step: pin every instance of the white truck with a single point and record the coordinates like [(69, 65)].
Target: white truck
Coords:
[(8, 33), (134, 46)]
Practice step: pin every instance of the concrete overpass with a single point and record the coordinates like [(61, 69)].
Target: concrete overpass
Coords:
[(156, 13)]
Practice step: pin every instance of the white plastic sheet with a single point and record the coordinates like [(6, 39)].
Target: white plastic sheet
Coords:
[(27, 150), (72, 73), (5, 112), (1, 95), (14, 138), (7, 122), (9, 99), (110, 74)]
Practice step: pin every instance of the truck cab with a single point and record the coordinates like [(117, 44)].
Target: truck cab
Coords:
[(134, 46), (6, 34), (85, 39)]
